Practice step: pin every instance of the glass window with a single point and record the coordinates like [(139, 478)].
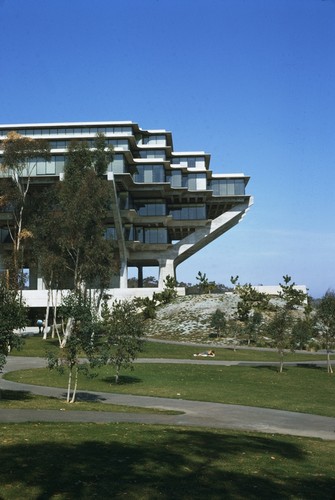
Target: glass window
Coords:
[(50, 167), (120, 143), (5, 236), (139, 234), (129, 233), (59, 164), (193, 212), (155, 139), (189, 161), (118, 164), (153, 153), (239, 187), (224, 187), (155, 235), (110, 233), (196, 181), (150, 173), (150, 209), (176, 178)]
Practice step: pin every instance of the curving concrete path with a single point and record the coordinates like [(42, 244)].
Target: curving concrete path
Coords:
[(195, 413)]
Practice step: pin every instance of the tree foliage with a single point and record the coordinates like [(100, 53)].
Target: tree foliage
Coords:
[(205, 285), (218, 321), (326, 323), (290, 294), (71, 222), (253, 326), (76, 309), (169, 293), (13, 316), (250, 300), (122, 331), (279, 329), (20, 156)]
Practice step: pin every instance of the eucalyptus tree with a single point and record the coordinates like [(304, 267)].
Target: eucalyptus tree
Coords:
[(13, 315), (326, 324), (84, 201), (122, 332), (19, 159), (72, 248), (81, 342)]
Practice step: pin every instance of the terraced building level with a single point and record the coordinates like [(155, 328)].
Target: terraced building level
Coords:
[(167, 205)]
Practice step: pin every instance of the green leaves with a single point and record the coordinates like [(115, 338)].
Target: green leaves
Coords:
[(123, 330), (13, 315)]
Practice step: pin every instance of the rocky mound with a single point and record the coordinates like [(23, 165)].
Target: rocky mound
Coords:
[(188, 318)]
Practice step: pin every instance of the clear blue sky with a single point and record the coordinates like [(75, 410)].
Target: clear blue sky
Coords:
[(250, 81)]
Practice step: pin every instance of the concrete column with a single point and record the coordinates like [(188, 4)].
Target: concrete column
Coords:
[(123, 275), (166, 268), (140, 277)]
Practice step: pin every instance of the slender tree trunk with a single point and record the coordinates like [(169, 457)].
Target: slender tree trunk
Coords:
[(68, 331), (46, 320), (69, 385), (281, 363), (55, 327), (329, 364), (75, 386)]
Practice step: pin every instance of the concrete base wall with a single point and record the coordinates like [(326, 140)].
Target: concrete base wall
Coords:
[(275, 289), (39, 298)]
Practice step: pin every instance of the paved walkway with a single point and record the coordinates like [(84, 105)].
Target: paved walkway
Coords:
[(195, 413)]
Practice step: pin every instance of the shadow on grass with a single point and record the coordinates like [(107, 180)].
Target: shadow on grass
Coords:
[(301, 366), (271, 368), (123, 380), (158, 463), (7, 395), (89, 397), (311, 366)]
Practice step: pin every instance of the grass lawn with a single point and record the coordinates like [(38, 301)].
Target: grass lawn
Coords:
[(71, 461), (36, 346), (24, 400), (303, 389)]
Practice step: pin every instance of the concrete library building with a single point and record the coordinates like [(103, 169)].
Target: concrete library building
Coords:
[(167, 204)]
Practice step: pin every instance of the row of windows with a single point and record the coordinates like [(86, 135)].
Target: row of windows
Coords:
[(158, 208), (224, 187), (64, 144), (158, 140), (38, 166), (153, 153), (195, 212), (150, 209), (148, 174), (189, 161), (70, 131), (141, 234)]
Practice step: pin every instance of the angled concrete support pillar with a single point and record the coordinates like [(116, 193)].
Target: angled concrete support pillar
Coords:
[(123, 275), (119, 232)]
